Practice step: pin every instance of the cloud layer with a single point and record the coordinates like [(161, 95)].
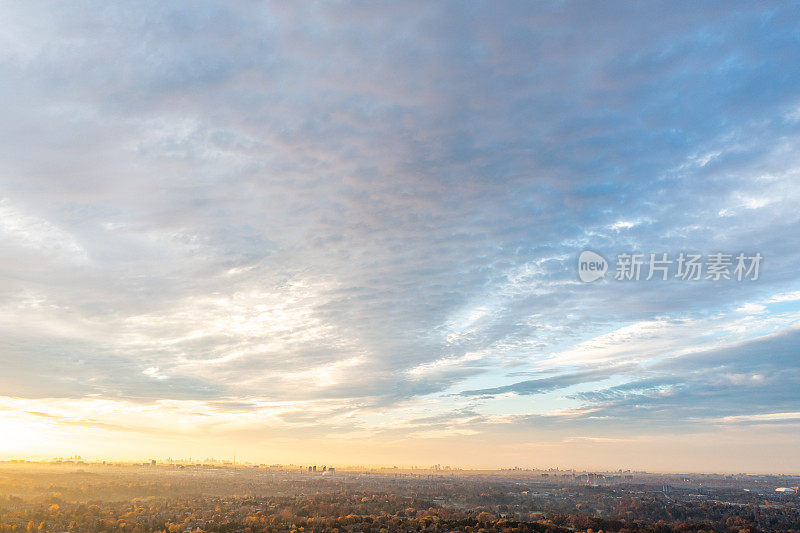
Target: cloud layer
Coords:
[(362, 220)]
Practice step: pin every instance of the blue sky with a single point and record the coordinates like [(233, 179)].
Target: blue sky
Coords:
[(348, 232)]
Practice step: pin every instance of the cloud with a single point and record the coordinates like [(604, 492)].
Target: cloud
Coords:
[(380, 207), (542, 385), (749, 381)]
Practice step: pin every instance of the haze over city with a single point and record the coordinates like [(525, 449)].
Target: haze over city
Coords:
[(349, 233)]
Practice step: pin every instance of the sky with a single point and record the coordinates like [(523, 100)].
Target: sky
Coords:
[(348, 232)]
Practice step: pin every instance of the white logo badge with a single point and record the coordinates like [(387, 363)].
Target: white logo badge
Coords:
[(591, 266)]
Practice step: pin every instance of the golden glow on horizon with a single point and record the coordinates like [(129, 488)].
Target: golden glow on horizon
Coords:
[(99, 429)]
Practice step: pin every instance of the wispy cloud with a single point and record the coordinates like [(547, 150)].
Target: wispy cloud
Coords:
[(375, 211)]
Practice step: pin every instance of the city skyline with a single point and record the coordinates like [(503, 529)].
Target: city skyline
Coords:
[(349, 233)]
